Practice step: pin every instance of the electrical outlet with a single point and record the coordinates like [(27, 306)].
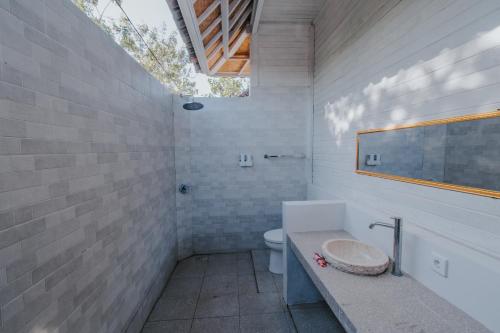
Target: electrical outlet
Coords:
[(246, 160), (439, 264)]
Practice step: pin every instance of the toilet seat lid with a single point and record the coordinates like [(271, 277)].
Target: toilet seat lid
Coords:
[(274, 236)]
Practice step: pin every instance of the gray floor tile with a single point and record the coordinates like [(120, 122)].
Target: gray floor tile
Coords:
[(221, 268), (191, 267), (266, 323), (171, 326), (244, 255), (219, 285), (173, 308), (247, 284), (308, 305), (179, 287), (265, 282), (216, 325), (278, 282), (223, 258), (260, 303), (318, 320), (217, 306), (260, 260), (245, 267), (217, 289)]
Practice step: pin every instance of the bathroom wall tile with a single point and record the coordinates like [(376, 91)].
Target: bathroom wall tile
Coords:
[(231, 207), (87, 210)]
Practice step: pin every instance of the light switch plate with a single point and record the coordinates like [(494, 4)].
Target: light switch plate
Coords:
[(439, 264)]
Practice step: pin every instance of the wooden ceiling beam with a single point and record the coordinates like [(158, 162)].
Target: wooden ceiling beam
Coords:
[(234, 47), (191, 22), (240, 57), (241, 21), (214, 51), (243, 67), (208, 11), (233, 6), (234, 57), (229, 39), (225, 27), (218, 20), (211, 27), (240, 13), (213, 41), (256, 13)]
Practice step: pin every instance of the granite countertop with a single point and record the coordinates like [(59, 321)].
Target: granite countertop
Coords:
[(381, 304)]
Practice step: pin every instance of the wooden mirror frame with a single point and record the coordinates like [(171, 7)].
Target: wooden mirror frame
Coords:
[(451, 187)]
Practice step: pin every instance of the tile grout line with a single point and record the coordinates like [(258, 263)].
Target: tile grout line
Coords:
[(254, 272), (238, 286), (291, 318), (199, 295)]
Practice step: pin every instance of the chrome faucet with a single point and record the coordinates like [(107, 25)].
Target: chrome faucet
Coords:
[(396, 265)]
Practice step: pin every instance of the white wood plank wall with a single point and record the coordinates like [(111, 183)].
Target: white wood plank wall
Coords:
[(384, 62)]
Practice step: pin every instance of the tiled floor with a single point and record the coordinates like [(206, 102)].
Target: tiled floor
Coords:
[(235, 292)]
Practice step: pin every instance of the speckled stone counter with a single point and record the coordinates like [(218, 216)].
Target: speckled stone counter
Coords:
[(381, 304)]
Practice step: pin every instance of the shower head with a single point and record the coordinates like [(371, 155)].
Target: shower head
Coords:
[(192, 105)]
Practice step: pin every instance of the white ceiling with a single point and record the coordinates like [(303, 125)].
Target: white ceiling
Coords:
[(291, 10)]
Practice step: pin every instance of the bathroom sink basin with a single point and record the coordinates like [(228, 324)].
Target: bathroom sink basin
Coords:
[(355, 257)]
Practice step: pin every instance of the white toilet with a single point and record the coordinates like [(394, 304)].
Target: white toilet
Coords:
[(274, 240)]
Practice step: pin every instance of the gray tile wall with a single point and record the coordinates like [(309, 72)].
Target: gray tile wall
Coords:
[(472, 154), (182, 130), (87, 201), (231, 207)]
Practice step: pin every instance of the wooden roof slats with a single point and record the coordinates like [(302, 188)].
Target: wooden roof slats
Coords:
[(240, 13), (211, 27), (212, 17), (234, 47), (240, 21), (234, 4), (208, 11), (213, 41), (220, 34), (214, 51)]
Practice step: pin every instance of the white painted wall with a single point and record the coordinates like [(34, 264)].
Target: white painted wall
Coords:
[(383, 62)]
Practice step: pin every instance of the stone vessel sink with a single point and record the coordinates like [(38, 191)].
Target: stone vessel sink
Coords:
[(355, 257)]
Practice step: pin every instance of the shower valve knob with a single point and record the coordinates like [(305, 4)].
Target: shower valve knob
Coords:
[(184, 188)]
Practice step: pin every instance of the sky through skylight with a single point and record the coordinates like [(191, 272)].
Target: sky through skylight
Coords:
[(154, 13)]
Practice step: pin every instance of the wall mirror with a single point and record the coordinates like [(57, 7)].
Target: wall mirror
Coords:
[(460, 154)]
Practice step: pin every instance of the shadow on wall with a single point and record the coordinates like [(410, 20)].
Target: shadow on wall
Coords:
[(422, 87)]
